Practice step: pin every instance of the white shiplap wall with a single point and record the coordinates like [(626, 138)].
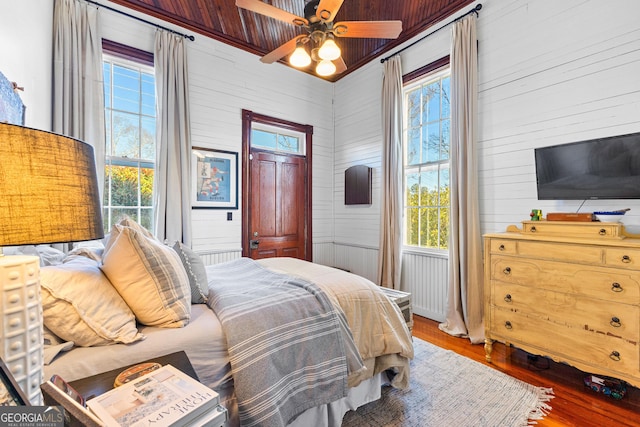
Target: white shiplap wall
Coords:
[(549, 72)]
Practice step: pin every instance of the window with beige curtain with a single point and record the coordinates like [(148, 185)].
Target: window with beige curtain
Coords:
[(426, 138), (130, 121)]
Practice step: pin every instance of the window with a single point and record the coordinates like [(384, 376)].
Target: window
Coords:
[(426, 161), (278, 139), (130, 121)]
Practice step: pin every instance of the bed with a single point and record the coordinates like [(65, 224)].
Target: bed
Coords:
[(380, 335)]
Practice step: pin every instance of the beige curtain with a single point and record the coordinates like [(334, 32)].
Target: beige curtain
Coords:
[(78, 99), (465, 302), (172, 203), (390, 253)]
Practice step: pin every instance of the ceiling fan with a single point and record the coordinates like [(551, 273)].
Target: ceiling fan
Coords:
[(320, 34)]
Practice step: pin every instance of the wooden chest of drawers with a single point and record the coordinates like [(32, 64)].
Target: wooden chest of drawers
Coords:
[(570, 292)]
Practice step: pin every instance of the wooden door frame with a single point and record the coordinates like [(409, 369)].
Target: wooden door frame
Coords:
[(249, 117)]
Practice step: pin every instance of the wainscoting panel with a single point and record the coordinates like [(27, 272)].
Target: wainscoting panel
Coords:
[(216, 257), (359, 260), (426, 276), (323, 253)]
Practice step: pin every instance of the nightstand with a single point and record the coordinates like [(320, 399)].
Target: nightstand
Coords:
[(97, 384)]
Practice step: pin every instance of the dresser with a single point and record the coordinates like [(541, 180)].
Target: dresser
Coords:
[(566, 290)]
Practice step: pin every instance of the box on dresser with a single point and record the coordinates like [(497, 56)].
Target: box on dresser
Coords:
[(569, 291)]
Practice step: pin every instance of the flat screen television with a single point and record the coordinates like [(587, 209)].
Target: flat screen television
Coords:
[(603, 168)]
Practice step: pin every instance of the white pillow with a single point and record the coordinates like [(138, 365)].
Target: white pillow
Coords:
[(80, 305), (149, 276)]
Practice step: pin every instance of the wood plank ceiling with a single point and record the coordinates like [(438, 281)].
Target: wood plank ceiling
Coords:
[(224, 21)]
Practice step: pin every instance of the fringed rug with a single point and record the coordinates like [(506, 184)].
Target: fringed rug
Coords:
[(447, 389)]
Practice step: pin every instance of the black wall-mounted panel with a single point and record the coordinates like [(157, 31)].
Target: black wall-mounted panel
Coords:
[(357, 185)]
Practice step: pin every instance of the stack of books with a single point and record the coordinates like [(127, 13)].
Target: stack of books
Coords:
[(164, 397)]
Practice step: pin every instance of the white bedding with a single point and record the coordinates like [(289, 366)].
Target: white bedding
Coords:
[(205, 345)]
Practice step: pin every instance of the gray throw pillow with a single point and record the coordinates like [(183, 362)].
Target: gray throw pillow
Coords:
[(195, 271)]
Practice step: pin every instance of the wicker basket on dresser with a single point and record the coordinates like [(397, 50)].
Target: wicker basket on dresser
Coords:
[(569, 291)]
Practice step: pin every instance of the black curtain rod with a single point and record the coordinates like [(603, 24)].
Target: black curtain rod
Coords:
[(474, 10), (192, 38)]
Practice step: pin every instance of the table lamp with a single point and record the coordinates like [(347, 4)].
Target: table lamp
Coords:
[(48, 194)]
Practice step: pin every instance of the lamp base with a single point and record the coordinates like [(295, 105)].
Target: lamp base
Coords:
[(21, 341)]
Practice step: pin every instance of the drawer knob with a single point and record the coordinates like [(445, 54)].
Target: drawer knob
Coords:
[(501, 248), (615, 356), (533, 229), (615, 322), (615, 287), (507, 271), (508, 325), (602, 232), (507, 298), (626, 259)]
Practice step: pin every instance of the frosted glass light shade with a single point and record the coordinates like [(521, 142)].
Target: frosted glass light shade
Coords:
[(329, 50), (48, 188), (300, 58), (325, 68)]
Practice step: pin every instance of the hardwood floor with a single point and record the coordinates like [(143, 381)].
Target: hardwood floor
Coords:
[(574, 403)]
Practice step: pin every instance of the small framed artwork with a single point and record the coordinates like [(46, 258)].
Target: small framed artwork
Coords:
[(214, 183), (10, 392)]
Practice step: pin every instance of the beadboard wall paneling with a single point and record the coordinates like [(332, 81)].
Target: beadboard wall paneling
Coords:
[(427, 278), (357, 259), (224, 80), (215, 257), (323, 253)]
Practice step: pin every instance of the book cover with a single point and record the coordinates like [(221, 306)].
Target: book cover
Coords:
[(164, 397)]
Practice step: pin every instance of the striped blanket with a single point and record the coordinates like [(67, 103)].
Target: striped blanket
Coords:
[(290, 349)]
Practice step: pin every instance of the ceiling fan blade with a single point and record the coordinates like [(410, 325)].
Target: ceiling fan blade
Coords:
[(271, 11), (280, 51), (341, 67), (327, 9), (368, 29)]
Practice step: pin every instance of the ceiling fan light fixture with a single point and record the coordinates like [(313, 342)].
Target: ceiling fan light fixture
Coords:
[(329, 49), (300, 58), (325, 68)]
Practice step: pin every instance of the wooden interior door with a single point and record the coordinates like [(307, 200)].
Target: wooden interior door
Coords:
[(276, 195), (278, 205)]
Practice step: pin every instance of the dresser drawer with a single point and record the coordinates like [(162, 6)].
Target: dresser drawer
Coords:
[(611, 285), (584, 254), (503, 246), (628, 258), (599, 230), (579, 311), (566, 343)]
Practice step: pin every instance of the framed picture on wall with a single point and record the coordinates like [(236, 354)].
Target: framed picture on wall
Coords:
[(214, 183), (10, 392)]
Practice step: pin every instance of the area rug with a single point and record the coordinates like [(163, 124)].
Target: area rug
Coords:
[(447, 389)]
